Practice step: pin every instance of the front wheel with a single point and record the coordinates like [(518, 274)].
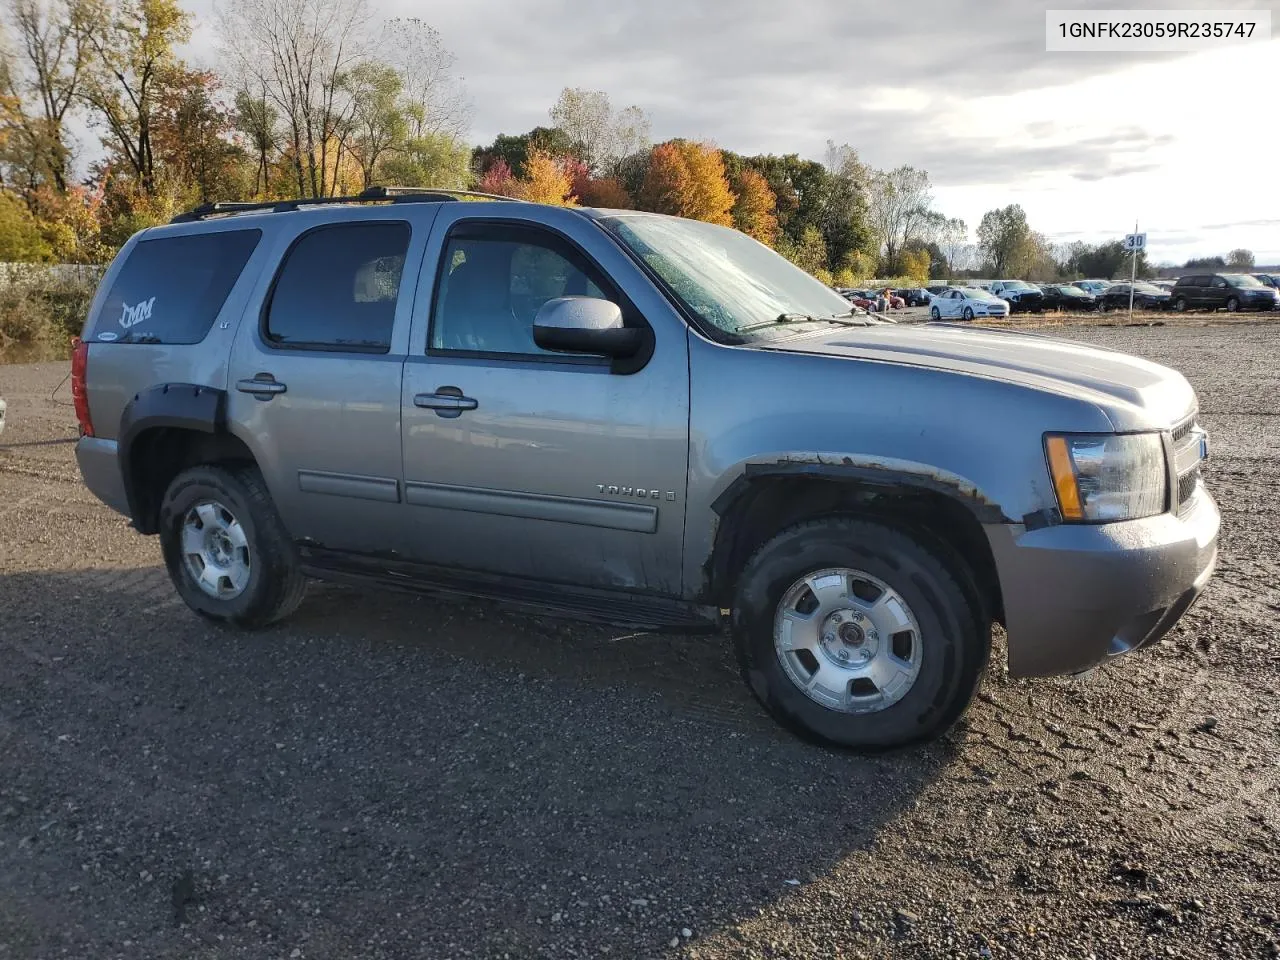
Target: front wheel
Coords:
[(1233, 305), (226, 548), (968, 313), (856, 634)]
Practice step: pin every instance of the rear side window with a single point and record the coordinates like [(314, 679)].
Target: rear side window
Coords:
[(171, 288), (338, 288)]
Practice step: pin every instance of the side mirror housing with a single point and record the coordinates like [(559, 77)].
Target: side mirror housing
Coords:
[(585, 325)]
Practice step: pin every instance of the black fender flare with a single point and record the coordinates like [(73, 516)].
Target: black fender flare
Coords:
[(183, 406)]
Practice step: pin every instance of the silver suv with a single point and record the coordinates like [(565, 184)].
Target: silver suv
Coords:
[(644, 420)]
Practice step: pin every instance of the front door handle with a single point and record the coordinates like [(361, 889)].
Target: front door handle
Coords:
[(263, 386), (446, 402)]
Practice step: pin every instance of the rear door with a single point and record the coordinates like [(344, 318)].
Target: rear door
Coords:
[(534, 465), (315, 379)]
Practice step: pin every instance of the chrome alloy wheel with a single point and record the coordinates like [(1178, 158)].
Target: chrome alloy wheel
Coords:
[(215, 550), (847, 640)]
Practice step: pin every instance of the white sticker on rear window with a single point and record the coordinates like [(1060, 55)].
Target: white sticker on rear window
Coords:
[(132, 316)]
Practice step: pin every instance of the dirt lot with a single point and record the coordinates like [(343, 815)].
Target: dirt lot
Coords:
[(388, 776)]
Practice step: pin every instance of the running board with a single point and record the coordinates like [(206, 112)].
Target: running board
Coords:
[(613, 607)]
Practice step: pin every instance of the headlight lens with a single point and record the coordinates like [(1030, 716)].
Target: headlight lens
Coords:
[(1105, 476)]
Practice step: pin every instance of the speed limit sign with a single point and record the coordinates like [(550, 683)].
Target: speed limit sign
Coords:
[(1135, 241)]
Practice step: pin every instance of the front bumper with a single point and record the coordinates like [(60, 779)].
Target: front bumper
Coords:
[(100, 468), (1076, 594)]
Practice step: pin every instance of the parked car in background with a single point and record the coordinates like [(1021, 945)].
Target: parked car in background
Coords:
[(863, 299), (1146, 296), (1092, 286), (967, 303), (1164, 284), (1228, 291), (1269, 279), (914, 296), (1066, 296), (938, 288), (1023, 297)]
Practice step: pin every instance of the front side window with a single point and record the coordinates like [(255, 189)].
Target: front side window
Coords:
[(338, 288), (171, 288), (725, 278), (494, 281), (1244, 281)]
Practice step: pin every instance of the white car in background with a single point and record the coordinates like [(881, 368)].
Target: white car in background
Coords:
[(966, 303)]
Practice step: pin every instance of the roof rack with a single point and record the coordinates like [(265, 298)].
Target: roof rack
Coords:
[(369, 195)]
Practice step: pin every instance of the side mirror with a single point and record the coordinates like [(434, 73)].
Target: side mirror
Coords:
[(585, 325)]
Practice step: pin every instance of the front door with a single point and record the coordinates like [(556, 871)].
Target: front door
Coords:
[(533, 465), (316, 375)]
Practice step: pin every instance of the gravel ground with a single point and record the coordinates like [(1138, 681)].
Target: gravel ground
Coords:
[(390, 776)]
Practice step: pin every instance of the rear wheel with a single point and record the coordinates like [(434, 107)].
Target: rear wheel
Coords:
[(935, 314), (855, 634), (226, 548), (1180, 304)]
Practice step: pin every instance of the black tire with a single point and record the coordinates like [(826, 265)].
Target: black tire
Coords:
[(1180, 304), (968, 313), (275, 586), (955, 632), (1233, 305), (935, 314)]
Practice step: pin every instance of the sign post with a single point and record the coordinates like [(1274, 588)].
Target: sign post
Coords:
[(1134, 242)]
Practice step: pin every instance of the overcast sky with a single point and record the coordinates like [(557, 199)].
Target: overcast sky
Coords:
[(1188, 144)]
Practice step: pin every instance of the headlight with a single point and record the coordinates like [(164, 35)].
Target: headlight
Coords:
[(1105, 476)]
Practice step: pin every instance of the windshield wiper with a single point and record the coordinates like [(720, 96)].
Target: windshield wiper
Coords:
[(782, 319)]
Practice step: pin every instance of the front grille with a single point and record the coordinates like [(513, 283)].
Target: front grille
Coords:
[(1187, 485)]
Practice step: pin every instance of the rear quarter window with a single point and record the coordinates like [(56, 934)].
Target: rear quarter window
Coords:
[(171, 288)]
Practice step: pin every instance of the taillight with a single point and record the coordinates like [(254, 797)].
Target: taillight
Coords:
[(79, 392)]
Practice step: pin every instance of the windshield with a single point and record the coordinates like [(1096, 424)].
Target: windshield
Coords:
[(1148, 288), (727, 279), (1241, 280), (975, 293), (1072, 291), (1017, 285)]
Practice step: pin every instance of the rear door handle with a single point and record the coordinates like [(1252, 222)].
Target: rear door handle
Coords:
[(263, 386), (446, 402)]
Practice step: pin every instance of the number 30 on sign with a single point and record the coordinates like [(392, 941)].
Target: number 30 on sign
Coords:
[(1135, 241)]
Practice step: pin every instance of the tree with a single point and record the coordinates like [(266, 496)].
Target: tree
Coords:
[(378, 123), (1105, 260), (915, 264), (134, 44), (41, 80), (897, 204), (687, 179), (513, 150), (20, 236), (546, 180), (754, 206), (1205, 263), (498, 180), (435, 100), (952, 237), (1003, 236), (1241, 259), (256, 118), (297, 52), (191, 137), (606, 192), (600, 137), (432, 160), (809, 254)]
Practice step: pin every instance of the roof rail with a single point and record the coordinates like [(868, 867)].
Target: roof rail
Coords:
[(369, 195)]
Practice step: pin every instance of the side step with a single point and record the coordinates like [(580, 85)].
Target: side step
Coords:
[(613, 607)]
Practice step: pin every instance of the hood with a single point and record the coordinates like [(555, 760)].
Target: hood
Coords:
[(1094, 374)]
